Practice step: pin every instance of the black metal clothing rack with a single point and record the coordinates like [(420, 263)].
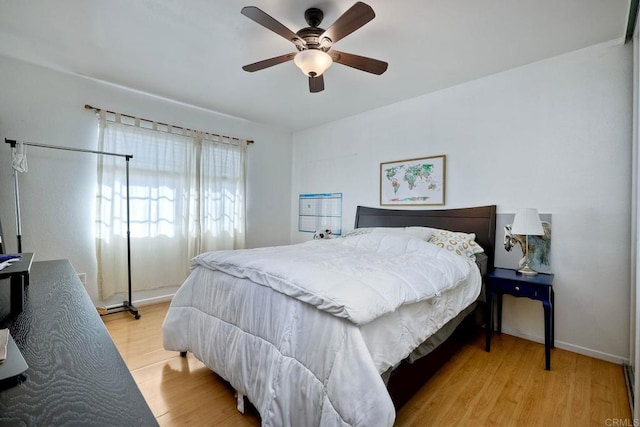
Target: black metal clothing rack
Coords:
[(126, 305)]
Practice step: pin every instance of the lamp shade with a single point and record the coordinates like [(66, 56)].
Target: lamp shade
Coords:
[(313, 62), (527, 223)]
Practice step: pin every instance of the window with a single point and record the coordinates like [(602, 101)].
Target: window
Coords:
[(186, 193)]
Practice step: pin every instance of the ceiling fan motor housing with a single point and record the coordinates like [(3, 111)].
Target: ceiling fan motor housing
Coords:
[(311, 36)]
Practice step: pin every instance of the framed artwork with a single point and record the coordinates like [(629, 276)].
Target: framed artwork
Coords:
[(413, 182), (510, 247)]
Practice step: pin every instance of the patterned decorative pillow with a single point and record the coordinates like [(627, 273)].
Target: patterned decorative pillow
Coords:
[(460, 243)]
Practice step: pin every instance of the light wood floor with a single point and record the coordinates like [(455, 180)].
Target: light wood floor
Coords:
[(508, 386)]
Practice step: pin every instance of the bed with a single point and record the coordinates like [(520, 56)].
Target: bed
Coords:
[(349, 334)]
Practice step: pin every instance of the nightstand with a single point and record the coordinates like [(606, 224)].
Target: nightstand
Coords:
[(539, 287)]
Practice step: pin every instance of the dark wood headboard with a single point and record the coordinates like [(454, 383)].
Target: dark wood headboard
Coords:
[(479, 220)]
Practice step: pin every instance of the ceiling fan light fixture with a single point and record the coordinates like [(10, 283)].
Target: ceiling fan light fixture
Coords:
[(313, 62)]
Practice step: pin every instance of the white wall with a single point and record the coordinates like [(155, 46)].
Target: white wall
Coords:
[(555, 135), (634, 321), (58, 192)]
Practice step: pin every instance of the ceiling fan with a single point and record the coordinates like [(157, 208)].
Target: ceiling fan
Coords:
[(315, 54)]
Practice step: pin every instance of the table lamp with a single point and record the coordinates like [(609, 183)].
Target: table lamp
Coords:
[(527, 223)]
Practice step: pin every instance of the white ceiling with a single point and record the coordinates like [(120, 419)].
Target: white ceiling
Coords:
[(192, 51)]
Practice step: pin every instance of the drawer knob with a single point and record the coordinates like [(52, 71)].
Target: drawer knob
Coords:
[(517, 288)]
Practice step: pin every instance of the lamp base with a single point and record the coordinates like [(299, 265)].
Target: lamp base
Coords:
[(526, 270)]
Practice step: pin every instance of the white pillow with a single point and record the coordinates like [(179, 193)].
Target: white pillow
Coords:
[(463, 244), (423, 233), (358, 231)]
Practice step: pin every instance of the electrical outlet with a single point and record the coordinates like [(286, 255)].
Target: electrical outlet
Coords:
[(83, 278)]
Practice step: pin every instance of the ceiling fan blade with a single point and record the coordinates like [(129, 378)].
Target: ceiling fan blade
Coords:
[(316, 84), (363, 63), (271, 23), (261, 65), (354, 18)]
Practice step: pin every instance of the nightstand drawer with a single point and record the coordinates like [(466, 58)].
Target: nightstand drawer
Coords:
[(518, 289)]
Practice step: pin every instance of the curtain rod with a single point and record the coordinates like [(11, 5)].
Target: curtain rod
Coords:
[(14, 142), (89, 107)]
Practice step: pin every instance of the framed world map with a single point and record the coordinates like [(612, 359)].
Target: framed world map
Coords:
[(413, 182)]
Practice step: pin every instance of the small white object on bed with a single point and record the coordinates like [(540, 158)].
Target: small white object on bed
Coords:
[(304, 331)]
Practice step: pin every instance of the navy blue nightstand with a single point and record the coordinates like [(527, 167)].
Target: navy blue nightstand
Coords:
[(539, 287)]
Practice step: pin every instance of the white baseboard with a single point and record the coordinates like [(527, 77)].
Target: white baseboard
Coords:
[(570, 347), (154, 300)]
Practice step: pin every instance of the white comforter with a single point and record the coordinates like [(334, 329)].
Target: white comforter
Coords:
[(299, 365), (359, 278)]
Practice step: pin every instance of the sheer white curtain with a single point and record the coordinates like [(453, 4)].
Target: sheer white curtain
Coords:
[(187, 196)]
